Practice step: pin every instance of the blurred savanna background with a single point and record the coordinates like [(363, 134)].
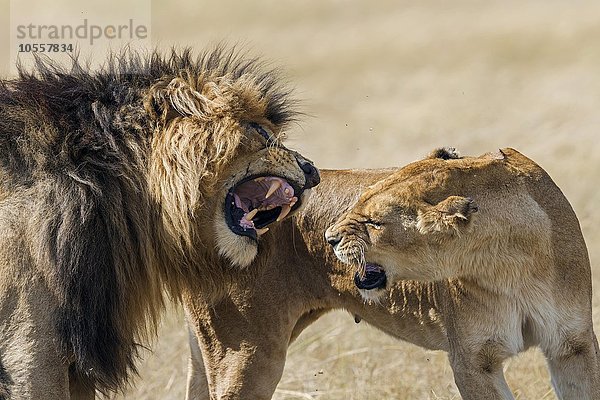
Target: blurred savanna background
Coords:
[(382, 83)]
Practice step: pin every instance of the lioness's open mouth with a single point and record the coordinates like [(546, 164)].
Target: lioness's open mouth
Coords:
[(254, 203), (374, 277)]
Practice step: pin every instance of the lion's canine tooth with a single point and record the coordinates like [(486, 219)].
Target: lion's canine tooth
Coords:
[(261, 231), (285, 210), (251, 214), (274, 186), (287, 191)]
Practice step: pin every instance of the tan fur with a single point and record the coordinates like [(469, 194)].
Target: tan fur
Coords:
[(99, 217), (503, 229), (242, 339), (303, 279)]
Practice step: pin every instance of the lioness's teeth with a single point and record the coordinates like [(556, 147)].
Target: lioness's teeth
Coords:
[(287, 191), (274, 186), (251, 214), (261, 231), (285, 210)]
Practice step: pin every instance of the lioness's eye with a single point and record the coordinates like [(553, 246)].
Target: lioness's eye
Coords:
[(373, 224)]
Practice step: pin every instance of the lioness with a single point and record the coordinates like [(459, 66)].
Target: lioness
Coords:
[(510, 248), (151, 172)]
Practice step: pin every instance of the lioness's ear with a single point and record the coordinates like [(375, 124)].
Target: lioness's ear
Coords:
[(448, 215)]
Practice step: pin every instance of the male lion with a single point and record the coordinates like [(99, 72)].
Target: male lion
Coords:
[(508, 245), (116, 183)]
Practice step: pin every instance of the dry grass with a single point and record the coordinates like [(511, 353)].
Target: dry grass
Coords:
[(384, 83)]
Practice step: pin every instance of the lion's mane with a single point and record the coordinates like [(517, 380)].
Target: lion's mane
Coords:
[(94, 152)]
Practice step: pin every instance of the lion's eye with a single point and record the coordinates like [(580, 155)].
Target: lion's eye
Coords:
[(373, 224), (261, 131)]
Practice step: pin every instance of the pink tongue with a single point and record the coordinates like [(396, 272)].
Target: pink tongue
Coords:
[(244, 223), (252, 194), (239, 203), (283, 195)]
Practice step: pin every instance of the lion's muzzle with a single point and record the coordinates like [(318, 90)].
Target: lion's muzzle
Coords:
[(311, 173)]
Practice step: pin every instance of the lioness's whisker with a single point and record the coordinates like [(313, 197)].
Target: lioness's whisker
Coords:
[(362, 271)]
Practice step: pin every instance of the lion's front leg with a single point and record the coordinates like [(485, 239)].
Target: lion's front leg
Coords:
[(251, 371), (477, 381), (197, 383), (31, 367), (244, 354), (78, 389)]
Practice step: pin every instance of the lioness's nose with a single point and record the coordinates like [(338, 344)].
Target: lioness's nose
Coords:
[(332, 238), (311, 174)]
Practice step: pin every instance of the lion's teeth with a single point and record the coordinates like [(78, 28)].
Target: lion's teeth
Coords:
[(251, 214), (270, 207), (261, 231), (285, 210), (287, 191), (274, 186)]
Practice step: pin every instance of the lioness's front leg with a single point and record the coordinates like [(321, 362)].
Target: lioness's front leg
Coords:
[(479, 343), (575, 367)]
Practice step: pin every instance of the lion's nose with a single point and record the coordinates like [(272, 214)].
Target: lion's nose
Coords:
[(332, 238), (311, 174)]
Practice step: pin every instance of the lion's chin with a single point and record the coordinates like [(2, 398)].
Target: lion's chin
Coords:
[(240, 250)]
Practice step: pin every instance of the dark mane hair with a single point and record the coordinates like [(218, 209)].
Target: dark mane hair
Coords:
[(76, 141), (51, 95)]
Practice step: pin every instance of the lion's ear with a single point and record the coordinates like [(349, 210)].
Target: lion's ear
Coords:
[(447, 216), (167, 100)]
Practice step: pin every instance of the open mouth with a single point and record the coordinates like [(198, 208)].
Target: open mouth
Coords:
[(254, 203), (373, 278)]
